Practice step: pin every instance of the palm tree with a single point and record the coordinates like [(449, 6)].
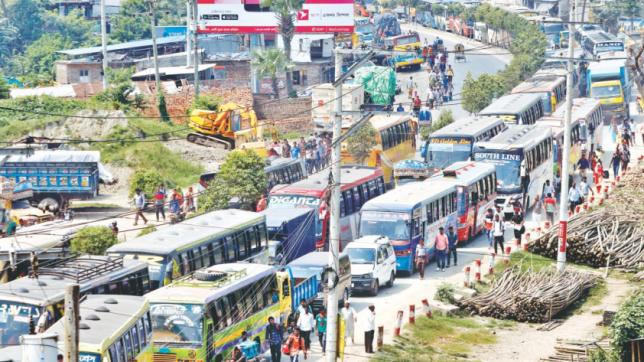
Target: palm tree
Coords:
[(285, 11), (270, 62)]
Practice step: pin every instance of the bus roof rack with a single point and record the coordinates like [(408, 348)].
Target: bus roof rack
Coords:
[(81, 268)]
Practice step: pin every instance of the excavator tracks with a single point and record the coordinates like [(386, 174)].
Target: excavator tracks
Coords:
[(210, 141)]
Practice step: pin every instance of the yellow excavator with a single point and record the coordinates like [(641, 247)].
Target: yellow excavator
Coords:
[(231, 126)]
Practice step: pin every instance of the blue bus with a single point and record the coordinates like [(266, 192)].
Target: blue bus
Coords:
[(411, 213)]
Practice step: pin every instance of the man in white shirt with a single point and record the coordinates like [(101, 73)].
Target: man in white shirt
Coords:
[(350, 317), (306, 323), (548, 189), (369, 329), (585, 189), (420, 259)]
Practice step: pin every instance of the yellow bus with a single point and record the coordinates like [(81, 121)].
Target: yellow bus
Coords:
[(112, 328), (395, 141)]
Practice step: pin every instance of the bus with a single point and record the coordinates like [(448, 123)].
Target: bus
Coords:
[(411, 213), (454, 142), (475, 193), (201, 317), (409, 47), (280, 171), (359, 185), (600, 42), (552, 28), (220, 236), (395, 141), (552, 91), (26, 300), (520, 108), (112, 328), (527, 147)]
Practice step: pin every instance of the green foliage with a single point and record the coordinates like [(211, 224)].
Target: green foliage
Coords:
[(133, 20), (146, 180), (362, 142), (445, 293), (73, 26), (93, 240), (147, 230), (269, 63), (27, 16), (36, 66), (4, 87), (444, 118), (8, 37), (206, 102), (628, 324), (479, 93), (242, 176), (163, 108), (120, 89)]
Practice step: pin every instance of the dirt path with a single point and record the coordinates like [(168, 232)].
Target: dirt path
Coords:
[(525, 343)]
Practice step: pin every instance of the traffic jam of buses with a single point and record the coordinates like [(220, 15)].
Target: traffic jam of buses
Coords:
[(345, 230)]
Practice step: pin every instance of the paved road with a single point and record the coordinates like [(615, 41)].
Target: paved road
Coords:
[(479, 59)]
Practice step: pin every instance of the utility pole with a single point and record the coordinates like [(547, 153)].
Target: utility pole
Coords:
[(72, 295), (104, 42), (188, 29), (334, 224), (195, 21), (155, 52), (565, 158)]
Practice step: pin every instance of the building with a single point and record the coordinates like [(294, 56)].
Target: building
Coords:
[(206, 71), (78, 71)]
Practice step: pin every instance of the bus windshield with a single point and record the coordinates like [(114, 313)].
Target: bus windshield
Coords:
[(406, 40), (443, 152), (176, 323), (607, 91), (14, 321), (361, 255), (364, 28), (394, 225), (507, 167), (293, 200)]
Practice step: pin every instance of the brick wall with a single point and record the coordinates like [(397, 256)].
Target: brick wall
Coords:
[(69, 73), (287, 114)]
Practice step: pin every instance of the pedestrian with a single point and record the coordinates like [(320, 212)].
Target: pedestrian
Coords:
[(450, 73), (452, 244), (274, 335), (286, 149), (320, 325), (625, 158), (306, 322), (537, 210), (159, 202), (410, 87), (310, 158), (441, 243), (417, 103), (302, 146), (302, 308), (139, 205), (295, 151), (175, 203), (400, 108), (369, 329), (237, 355), (350, 317), (322, 159), (557, 185), (499, 234), (598, 173), (548, 188), (585, 189), (113, 226), (583, 164), (626, 136), (189, 201), (430, 98), (551, 206), (489, 223), (294, 345), (517, 223), (262, 203), (615, 161), (421, 258), (573, 196)]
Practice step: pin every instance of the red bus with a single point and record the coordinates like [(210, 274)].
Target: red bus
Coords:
[(359, 184), (475, 193)]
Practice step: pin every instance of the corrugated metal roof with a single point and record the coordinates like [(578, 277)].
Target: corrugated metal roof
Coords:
[(57, 156), (123, 46), (182, 70)]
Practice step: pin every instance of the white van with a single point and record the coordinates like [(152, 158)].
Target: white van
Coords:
[(373, 263)]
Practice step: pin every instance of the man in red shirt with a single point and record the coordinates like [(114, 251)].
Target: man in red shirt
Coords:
[(441, 243), (551, 206)]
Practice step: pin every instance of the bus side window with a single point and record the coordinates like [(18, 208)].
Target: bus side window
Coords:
[(356, 199), (286, 291), (135, 341), (381, 185), (385, 140), (348, 202), (120, 351), (365, 192), (228, 310), (197, 258), (113, 354), (144, 338), (128, 346), (429, 214), (342, 203), (231, 249)]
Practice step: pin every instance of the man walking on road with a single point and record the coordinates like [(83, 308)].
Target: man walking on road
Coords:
[(274, 335), (441, 244), (551, 206), (350, 317), (499, 234), (369, 329), (421, 254), (452, 241), (139, 204), (305, 323), (585, 189)]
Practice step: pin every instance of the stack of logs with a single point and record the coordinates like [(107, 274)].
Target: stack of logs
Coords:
[(567, 350), (612, 235), (530, 296)]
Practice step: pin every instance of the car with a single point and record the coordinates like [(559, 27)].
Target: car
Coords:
[(373, 263)]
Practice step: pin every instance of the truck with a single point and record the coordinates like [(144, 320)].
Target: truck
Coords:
[(363, 33), (608, 80), (291, 234), (55, 176)]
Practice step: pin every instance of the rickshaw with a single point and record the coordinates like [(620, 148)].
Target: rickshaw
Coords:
[(459, 53)]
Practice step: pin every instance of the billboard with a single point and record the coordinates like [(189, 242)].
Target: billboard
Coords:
[(248, 16)]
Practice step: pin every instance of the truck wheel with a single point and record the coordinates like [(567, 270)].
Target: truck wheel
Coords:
[(374, 291), (390, 283)]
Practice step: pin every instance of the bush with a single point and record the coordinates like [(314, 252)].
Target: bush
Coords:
[(362, 142), (94, 240), (628, 324), (4, 87), (445, 293), (205, 102), (147, 230), (146, 180)]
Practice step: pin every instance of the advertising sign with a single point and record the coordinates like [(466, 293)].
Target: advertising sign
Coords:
[(248, 16)]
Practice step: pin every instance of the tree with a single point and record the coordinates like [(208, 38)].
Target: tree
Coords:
[(146, 180), (93, 240), (27, 16), (132, 22), (36, 66), (286, 10), (241, 176), (479, 93), (206, 102), (4, 87), (72, 26), (444, 118), (120, 88), (360, 143), (269, 63), (8, 36)]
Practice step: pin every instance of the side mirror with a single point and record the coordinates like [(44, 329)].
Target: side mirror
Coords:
[(381, 260)]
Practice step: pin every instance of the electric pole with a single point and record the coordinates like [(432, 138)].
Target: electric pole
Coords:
[(334, 224), (565, 158), (155, 53), (72, 295), (104, 42), (195, 21), (188, 29)]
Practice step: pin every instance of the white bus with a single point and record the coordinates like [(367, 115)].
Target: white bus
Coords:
[(527, 148), (520, 108)]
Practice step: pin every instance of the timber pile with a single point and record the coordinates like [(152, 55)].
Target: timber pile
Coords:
[(530, 296), (574, 350), (612, 235)]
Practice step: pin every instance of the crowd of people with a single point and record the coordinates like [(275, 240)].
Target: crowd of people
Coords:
[(179, 204), (316, 151)]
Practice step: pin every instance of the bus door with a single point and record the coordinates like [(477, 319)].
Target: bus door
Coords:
[(462, 211)]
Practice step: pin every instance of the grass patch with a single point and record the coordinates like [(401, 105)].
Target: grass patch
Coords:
[(441, 338), (501, 324), (92, 205), (525, 260)]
